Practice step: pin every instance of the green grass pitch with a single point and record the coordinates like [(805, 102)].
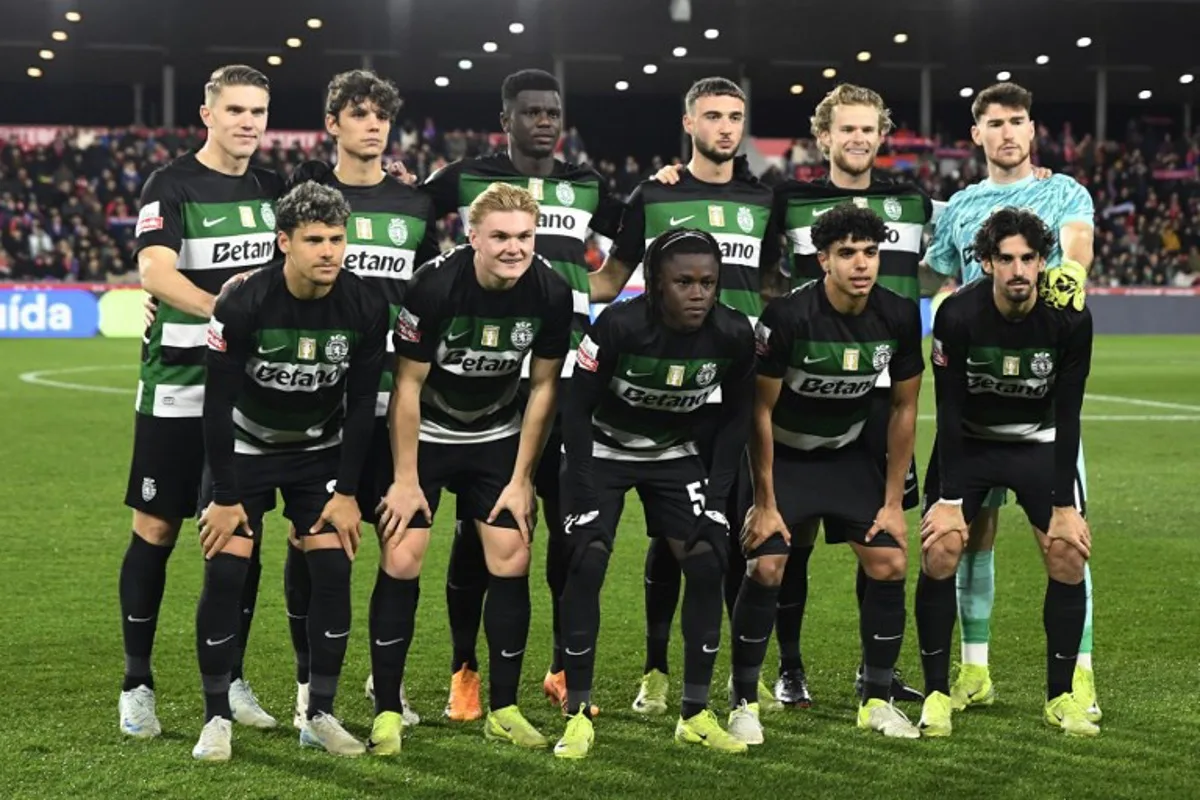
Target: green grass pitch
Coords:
[(66, 451)]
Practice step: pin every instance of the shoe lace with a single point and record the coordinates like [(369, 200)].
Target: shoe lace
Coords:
[(893, 714), (247, 692)]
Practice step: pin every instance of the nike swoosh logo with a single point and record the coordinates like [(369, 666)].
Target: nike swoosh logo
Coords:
[(706, 649), (211, 643), (879, 638), (571, 652), (457, 336), (296, 616), (132, 618), (682, 220), (934, 653), (971, 363), (632, 374), (822, 211), (753, 641), (389, 643), (208, 223), (808, 360), (506, 654), (1061, 657), (262, 352), (342, 635)]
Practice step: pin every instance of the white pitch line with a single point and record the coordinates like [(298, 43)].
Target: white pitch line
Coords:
[(38, 378), (1117, 418), (1134, 401)]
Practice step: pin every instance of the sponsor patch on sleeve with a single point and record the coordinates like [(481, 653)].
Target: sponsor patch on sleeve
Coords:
[(149, 219), (937, 353), (408, 326), (216, 335), (589, 355), (762, 339)]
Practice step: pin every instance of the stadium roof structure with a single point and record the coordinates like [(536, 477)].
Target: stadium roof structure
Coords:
[(776, 44)]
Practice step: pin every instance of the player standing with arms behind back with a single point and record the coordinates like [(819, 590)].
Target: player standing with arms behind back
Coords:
[(1004, 129), (204, 218)]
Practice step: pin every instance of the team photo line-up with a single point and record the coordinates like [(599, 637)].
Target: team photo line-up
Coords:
[(306, 338)]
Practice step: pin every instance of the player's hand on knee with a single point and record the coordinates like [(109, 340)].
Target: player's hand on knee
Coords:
[(402, 502), (942, 519), (218, 524), (763, 522), (343, 514), (1068, 525), (668, 175), (517, 499), (890, 519)]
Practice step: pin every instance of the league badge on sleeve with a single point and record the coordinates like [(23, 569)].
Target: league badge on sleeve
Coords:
[(937, 353), (408, 326), (216, 335), (762, 339), (588, 356)]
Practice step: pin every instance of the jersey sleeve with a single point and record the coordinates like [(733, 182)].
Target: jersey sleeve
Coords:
[(230, 339), (629, 245), (909, 361), (554, 338), (1075, 204), (418, 321), (160, 219), (949, 358), (442, 187), (943, 254), (1068, 405), (771, 341), (606, 219)]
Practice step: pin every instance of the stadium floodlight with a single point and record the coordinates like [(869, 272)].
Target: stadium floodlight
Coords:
[(900, 38), (621, 86), (274, 61), (314, 23), (864, 55), (33, 72), (1145, 94), (73, 16), (1083, 41), (797, 88), (1043, 60), (650, 69), (829, 72), (679, 52), (711, 33), (966, 91), (1187, 77), (293, 41), (465, 63), (516, 28), (490, 47), (46, 55), (59, 36), (1003, 75), (441, 81)]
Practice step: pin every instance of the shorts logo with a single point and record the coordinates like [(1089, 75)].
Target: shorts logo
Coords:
[(268, 215), (246, 213), (522, 332), (491, 336), (329, 487), (149, 489), (565, 194), (716, 216), (397, 231), (408, 326), (1041, 365), (362, 228), (675, 375), (337, 348), (1012, 366), (307, 350), (892, 208), (745, 219), (706, 373), (882, 357), (537, 188), (587, 356), (762, 338), (850, 359)]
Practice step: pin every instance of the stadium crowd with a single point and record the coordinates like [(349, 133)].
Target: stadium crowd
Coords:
[(67, 210)]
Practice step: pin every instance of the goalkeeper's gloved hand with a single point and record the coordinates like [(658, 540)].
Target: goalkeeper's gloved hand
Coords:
[(1064, 286)]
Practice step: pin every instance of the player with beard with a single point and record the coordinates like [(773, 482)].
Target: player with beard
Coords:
[(572, 199), (1005, 130)]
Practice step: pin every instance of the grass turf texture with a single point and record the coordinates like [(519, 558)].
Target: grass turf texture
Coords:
[(65, 462)]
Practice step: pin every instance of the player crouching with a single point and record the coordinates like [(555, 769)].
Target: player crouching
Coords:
[(1010, 375), (294, 358)]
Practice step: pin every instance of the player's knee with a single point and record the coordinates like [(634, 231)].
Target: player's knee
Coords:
[(940, 561), (589, 566), (401, 561), (1064, 563), (767, 570), (702, 566), (885, 563), (156, 530)]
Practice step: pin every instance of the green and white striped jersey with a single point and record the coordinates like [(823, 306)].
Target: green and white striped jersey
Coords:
[(219, 225)]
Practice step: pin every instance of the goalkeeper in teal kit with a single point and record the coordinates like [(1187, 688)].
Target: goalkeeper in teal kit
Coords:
[(1004, 129)]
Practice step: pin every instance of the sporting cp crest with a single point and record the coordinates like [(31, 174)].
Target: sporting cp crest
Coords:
[(522, 332), (565, 194), (892, 208), (882, 357), (706, 373), (1041, 365), (268, 215), (149, 489), (337, 348), (397, 231), (745, 220)]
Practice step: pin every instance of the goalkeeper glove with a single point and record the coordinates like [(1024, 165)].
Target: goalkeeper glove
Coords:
[(1064, 286)]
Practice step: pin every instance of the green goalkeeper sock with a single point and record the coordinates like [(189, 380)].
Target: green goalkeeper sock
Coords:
[(1085, 644), (976, 584)]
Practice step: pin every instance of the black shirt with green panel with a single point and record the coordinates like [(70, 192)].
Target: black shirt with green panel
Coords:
[(572, 200), (1008, 381), (290, 376), (829, 361), (219, 225), (476, 340), (640, 390)]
